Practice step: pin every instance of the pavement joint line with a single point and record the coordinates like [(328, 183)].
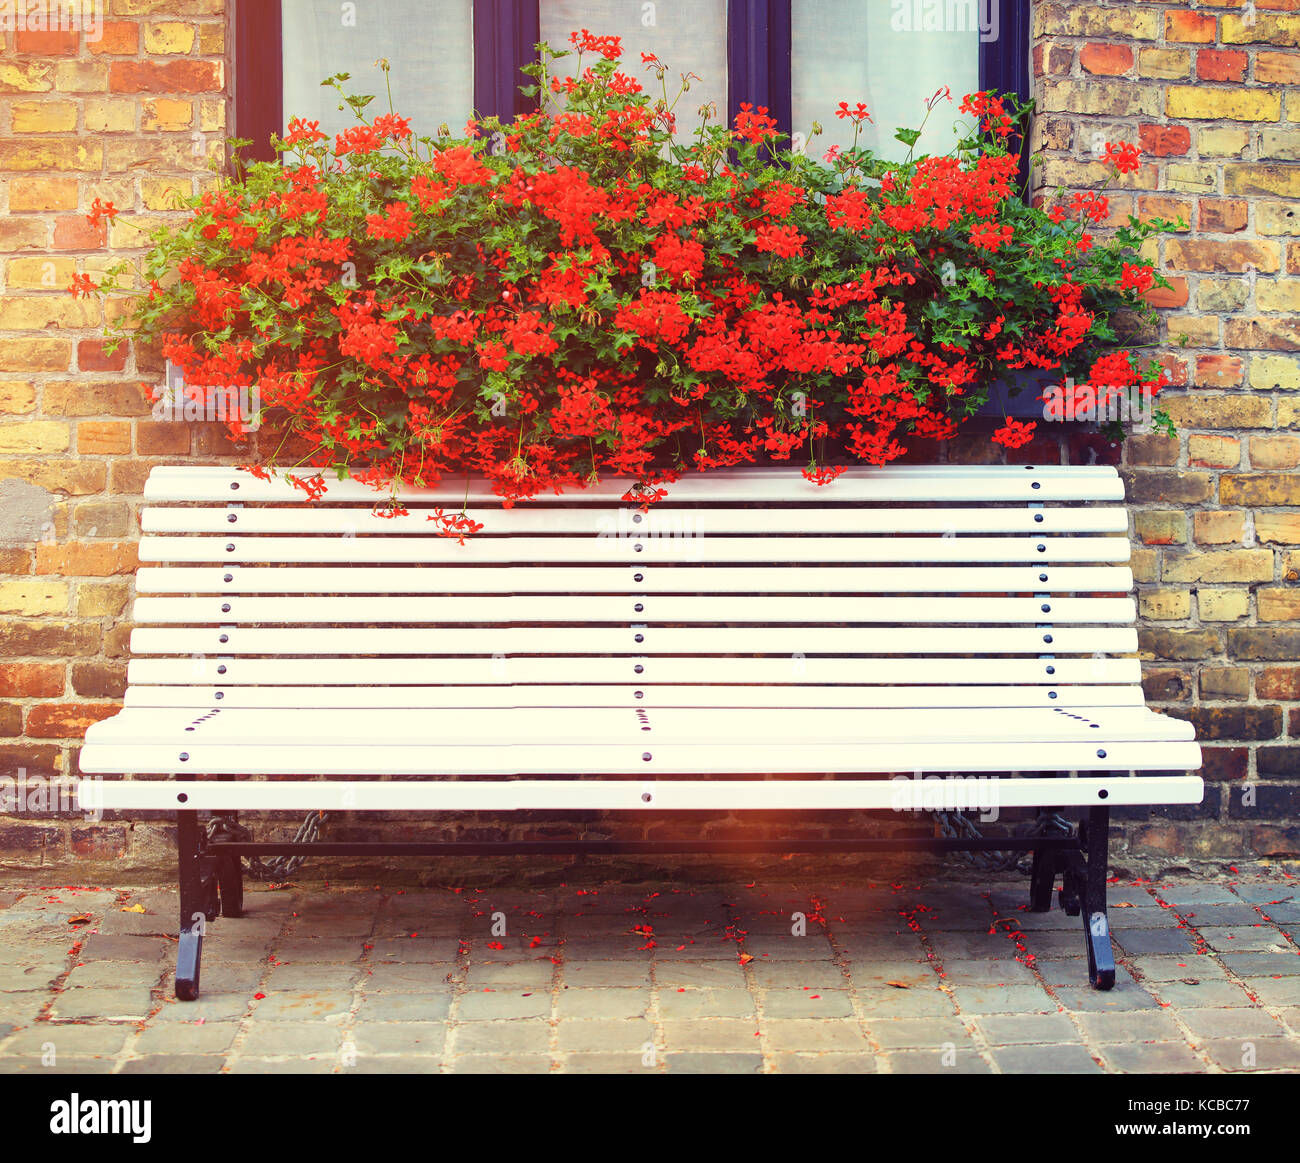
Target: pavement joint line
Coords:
[(234, 1053), (557, 991), (347, 1028), (766, 1052), (1075, 1018), (855, 999), (1197, 1044)]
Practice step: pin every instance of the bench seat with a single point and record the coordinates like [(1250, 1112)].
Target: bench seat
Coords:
[(752, 641)]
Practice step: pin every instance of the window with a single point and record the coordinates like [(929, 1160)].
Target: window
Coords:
[(797, 57), (430, 48), (689, 36)]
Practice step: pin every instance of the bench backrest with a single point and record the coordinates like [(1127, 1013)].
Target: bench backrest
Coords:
[(967, 586)]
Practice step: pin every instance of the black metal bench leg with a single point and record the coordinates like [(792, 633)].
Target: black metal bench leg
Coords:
[(195, 894), (1042, 876), (1047, 862), (1101, 957)]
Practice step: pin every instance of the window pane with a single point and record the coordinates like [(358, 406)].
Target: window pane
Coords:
[(429, 45), (689, 36), (845, 50)]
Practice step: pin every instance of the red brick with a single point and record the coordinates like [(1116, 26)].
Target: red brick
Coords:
[(1174, 296), (121, 38), (1106, 60), (1195, 27), (31, 680), (1220, 65), (1222, 215), (73, 232), (1218, 371), (46, 44), (66, 720), (1164, 140), (93, 357), (172, 77)]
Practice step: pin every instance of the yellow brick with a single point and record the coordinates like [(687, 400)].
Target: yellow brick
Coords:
[(17, 397), (164, 193), (1278, 605), (1213, 451), (39, 312), (33, 597), (1165, 605), (39, 274), (1143, 563), (27, 77), (1193, 101), (1223, 605), (1108, 98), (81, 77), (30, 154), (1275, 372), (1218, 528), (1166, 64), (1086, 20), (212, 40), (42, 194), (130, 230), (110, 115), (169, 38), (1191, 177), (1274, 452), (104, 437), (1278, 180), (44, 116), (1279, 528), (167, 115), (1281, 31), (34, 436), (1200, 331), (1278, 295), (1160, 526), (119, 191), (1226, 565), (101, 600), (1221, 295), (1222, 142), (212, 116), (1276, 218)]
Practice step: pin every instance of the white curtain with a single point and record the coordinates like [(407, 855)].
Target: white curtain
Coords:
[(689, 36), (428, 43), (872, 51)]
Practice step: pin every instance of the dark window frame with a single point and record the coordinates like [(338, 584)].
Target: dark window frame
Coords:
[(758, 61)]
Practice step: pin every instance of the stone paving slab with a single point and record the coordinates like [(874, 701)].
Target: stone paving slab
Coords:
[(629, 979)]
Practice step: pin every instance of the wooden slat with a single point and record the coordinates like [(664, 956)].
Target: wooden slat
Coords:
[(589, 609), (977, 793), (521, 728), (855, 486), (622, 759), (688, 578), (515, 550), (218, 667), (801, 640), (363, 521), (629, 695)]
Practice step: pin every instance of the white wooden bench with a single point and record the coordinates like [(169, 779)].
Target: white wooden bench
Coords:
[(581, 653)]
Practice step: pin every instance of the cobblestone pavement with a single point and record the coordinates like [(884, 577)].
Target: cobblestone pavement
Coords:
[(611, 978)]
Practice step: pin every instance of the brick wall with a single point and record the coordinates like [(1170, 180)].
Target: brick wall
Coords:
[(1207, 89), (1204, 87)]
